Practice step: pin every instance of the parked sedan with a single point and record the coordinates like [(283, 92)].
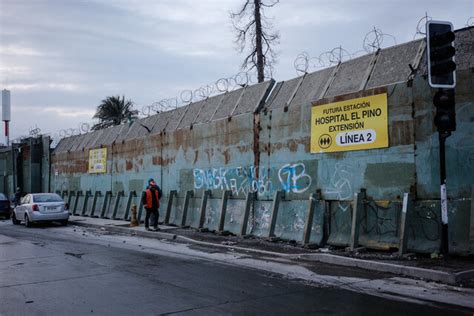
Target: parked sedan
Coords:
[(41, 207), (4, 206)]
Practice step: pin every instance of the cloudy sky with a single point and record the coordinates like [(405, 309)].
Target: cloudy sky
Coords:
[(60, 58)]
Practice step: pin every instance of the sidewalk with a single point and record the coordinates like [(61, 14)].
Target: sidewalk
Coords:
[(455, 271)]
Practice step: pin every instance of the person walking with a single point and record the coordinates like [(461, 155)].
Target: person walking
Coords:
[(151, 202), (17, 199)]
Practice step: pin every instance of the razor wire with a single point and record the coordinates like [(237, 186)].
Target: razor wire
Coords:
[(34, 131), (373, 41), (304, 61), (470, 21), (81, 128), (221, 85), (421, 26)]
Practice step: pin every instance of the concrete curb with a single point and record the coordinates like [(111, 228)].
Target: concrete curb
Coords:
[(409, 271), (419, 273), (128, 231)]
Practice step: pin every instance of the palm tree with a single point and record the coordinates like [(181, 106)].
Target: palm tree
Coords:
[(114, 111)]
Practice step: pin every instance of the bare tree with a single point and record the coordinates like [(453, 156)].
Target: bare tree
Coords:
[(254, 30)]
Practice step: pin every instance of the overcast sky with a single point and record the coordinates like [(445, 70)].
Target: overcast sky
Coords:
[(60, 58)]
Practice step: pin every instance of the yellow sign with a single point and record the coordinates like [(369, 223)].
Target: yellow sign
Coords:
[(98, 160), (354, 124)]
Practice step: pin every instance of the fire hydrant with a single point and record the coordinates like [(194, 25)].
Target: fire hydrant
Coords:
[(134, 221)]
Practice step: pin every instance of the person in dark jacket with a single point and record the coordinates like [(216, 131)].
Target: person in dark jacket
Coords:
[(151, 203), (17, 199)]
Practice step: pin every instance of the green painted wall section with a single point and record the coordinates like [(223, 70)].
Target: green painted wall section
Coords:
[(228, 154)]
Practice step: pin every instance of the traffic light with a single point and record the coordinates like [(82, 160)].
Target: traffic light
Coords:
[(440, 54), (445, 118)]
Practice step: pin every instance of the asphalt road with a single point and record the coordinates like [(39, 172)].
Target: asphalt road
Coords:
[(53, 270)]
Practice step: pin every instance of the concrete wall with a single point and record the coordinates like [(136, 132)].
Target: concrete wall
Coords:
[(6, 175), (27, 165), (253, 142)]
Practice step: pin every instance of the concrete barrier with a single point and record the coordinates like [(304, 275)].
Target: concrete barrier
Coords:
[(235, 214), (106, 205), (340, 223), (97, 202), (262, 218), (78, 203), (119, 206), (89, 205), (85, 203), (70, 200), (213, 210), (313, 233)]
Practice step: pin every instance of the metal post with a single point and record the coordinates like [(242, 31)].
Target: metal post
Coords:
[(7, 133), (279, 195), (406, 209), (309, 220), (251, 196), (225, 196), (69, 198), (357, 209), (76, 202), (170, 205), (108, 195), (117, 203), (187, 197), (94, 202), (444, 197), (471, 231), (206, 194), (131, 195), (86, 199)]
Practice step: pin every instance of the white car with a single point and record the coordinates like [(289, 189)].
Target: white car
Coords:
[(41, 207)]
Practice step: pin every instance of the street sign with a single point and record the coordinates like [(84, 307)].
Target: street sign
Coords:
[(98, 160), (354, 124)]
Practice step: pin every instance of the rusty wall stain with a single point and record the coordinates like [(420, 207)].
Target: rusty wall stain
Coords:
[(196, 156), (226, 154), (159, 161), (401, 133), (349, 96), (292, 145)]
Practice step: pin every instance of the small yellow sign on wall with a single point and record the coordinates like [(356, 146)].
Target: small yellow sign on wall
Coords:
[(98, 160), (354, 124)]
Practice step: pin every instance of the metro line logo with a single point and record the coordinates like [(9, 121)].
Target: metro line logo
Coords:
[(325, 141), (354, 124)]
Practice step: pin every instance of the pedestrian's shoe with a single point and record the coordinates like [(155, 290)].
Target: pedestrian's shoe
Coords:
[(156, 229), (147, 228)]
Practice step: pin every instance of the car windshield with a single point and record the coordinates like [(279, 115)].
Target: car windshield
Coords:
[(47, 198), (2, 197)]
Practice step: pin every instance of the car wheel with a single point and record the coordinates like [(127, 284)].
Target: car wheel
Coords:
[(27, 221), (14, 220), (64, 223)]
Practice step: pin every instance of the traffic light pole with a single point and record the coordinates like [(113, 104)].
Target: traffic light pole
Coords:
[(444, 197), (440, 55)]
